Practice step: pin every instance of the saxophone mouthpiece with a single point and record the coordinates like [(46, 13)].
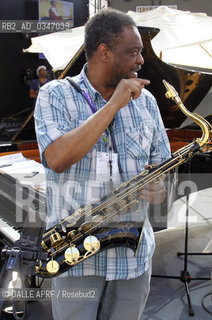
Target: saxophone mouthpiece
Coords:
[(171, 92)]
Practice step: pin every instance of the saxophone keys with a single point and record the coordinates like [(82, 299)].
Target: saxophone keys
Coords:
[(43, 244), (71, 255), (38, 266), (97, 218), (91, 244), (52, 266), (56, 239), (71, 234)]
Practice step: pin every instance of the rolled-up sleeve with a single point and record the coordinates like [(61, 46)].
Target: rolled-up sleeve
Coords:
[(51, 119)]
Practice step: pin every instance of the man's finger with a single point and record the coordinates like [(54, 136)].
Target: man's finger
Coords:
[(145, 82)]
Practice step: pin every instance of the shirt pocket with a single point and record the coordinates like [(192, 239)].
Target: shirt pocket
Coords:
[(138, 140)]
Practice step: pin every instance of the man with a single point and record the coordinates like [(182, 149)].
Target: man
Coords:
[(53, 14), (73, 139), (37, 83)]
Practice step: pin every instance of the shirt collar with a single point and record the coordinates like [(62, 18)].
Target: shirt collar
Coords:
[(88, 86)]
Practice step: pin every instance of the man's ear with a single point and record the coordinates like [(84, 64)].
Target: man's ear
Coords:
[(104, 52)]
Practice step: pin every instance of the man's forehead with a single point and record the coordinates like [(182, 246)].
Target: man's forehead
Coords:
[(131, 37)]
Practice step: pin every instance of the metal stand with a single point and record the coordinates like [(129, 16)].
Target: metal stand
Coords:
[(23, 126), (5, 277), (184, 274), (23, 258)]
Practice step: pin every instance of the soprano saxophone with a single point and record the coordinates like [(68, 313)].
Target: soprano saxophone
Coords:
[(68, 244)]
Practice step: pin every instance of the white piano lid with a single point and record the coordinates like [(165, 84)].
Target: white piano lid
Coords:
[(184, 31), (185, 38), (59, 47)]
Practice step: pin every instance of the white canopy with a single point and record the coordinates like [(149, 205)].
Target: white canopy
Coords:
[(59, 47), (185, 39)]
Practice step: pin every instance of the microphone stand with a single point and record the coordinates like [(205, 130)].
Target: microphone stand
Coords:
[(184, 274), (207, 157)]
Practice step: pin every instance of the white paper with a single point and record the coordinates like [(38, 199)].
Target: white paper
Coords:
[(103, 166), (12, 158)]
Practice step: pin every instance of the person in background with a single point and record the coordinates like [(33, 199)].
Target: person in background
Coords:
[(114, 118), (37, 83), (53, 14)]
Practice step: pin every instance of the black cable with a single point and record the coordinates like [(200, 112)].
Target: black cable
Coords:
[(202, 302), (115, 147)]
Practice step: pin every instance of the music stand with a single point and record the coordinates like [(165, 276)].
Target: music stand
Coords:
[(184, 274)]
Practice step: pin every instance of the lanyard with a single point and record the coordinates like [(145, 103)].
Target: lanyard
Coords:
[(89, 100), (93, 109), (106, 134)]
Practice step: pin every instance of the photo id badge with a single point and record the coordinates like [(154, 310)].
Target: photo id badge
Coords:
[(103, 164)]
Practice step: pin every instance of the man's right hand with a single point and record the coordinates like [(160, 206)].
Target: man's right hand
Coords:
[(127, 89)]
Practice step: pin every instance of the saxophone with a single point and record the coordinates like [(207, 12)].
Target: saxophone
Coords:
[(68, 244)]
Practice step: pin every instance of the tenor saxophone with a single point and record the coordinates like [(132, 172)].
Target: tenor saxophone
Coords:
[(68, 244)]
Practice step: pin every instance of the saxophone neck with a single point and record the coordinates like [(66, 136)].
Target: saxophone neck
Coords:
[(205, 126)]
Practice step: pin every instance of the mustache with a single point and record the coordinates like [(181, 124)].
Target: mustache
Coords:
[(137, 69)]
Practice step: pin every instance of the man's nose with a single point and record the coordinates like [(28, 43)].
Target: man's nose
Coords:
[(140, 59)]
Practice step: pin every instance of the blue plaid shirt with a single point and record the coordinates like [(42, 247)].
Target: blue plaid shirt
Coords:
[(140, 139)]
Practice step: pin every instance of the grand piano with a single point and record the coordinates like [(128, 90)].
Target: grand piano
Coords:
[(192, 87)]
